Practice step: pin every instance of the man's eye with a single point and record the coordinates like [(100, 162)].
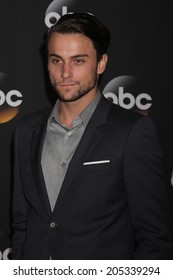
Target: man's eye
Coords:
[(79, 61), (55, 61)]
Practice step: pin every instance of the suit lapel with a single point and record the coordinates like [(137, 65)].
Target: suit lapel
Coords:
[(89, 139), (37, 144)]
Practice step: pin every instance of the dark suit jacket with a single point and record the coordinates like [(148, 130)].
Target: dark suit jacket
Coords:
[(112, 210)]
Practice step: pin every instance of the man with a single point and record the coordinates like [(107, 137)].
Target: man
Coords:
[(88, 176)]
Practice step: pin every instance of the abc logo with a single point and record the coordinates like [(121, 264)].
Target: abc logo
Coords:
[(5, 254), (172, 178), (52, 17), (121, 91), (9, 105), (128, 101), (9, 98)]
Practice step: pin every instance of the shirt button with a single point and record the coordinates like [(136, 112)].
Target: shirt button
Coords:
[(63, 164), (69, 133), (52, 225)]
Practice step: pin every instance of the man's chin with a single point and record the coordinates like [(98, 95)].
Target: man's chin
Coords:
[(67, 100), (71, 98)]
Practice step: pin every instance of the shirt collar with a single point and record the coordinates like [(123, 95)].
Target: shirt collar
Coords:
[(84, 116), (89, 110)]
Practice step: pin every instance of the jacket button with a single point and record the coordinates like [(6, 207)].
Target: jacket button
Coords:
[(52, 225)]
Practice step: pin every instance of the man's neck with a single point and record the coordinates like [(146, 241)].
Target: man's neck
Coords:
[(68, 111)]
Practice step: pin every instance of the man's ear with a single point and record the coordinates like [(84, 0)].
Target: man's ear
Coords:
[(102, 64)]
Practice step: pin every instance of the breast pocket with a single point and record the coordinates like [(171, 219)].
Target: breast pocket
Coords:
[(101, 165)]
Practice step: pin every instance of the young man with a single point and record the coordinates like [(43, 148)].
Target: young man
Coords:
[(89, 181)]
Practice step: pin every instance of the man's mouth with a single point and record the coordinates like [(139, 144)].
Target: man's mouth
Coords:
[(67, 84)]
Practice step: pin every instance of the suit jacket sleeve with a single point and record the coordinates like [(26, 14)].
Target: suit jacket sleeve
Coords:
[(147, 192), (19, 208)]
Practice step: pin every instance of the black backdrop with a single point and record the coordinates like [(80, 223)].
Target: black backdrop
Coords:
[(139, 63)]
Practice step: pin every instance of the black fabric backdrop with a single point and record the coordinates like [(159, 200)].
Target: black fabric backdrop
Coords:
[(139, 63)]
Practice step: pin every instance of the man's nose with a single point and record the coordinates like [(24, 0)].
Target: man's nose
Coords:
[(66, 71)]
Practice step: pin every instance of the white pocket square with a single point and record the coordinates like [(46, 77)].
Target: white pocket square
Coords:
[(97, 162)]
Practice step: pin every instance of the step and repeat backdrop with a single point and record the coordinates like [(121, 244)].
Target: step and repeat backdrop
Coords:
[(138, 76)]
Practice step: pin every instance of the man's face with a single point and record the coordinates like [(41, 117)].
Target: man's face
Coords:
[(73, 66)]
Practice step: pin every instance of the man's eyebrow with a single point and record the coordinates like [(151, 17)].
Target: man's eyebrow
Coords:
[(80, 55), (73, 56), (54, 55)]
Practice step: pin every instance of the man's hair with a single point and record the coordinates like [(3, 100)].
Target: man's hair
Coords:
[(86, 24)]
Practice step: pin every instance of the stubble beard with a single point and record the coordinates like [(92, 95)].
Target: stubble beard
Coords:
[(82, 91)]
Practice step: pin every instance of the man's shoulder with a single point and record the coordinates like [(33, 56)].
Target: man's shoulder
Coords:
[(129, 120), (115, 115), (34, 119), (119, 113)]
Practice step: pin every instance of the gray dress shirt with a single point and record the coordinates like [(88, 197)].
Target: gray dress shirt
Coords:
[(59, 146)]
